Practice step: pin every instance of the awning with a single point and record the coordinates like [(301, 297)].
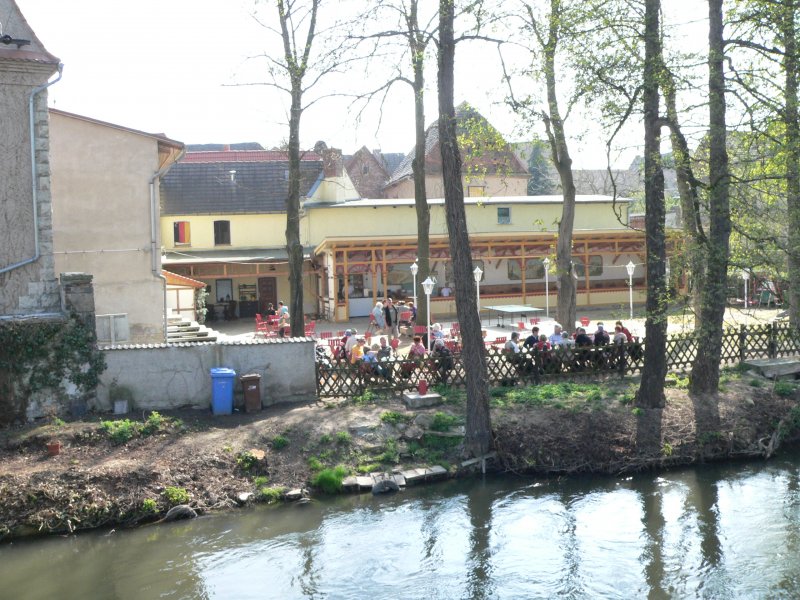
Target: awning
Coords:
[(256, 255)]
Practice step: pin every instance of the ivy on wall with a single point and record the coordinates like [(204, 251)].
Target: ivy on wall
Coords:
[(37, 356)]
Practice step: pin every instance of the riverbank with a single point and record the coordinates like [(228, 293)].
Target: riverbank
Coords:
[(131, 473)]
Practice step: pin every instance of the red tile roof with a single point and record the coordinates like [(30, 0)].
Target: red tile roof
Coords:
[(246, 156)]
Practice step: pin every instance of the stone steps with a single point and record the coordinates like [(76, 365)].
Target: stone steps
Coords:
[(365, 483), (180, 330)]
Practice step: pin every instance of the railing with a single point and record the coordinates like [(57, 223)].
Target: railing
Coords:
[(341, 379)]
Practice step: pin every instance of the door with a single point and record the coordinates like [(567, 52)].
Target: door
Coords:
[(267, 293)]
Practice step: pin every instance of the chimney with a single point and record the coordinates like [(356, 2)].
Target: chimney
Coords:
[(332, 162)]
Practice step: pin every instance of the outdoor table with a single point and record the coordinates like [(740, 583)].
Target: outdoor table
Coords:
[(512, 309)]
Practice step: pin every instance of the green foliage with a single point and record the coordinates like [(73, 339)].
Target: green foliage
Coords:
[(200, 298), (279, 442), (784, 388), (175, 495), (393, 417), (261, 481), (121, 431), (270, 495), (39, 356), (153, 423), (330, 480), (391, 454), (443, 422), (435, 442), (246, 460), (325, 438), (756, 383), (57, 422), (314, 463), (636, 411), (342, 437), (149, 505), (367, 468), (368, 397), (667, 449)]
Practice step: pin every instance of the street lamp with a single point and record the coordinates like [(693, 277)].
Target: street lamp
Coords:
[(630, 267), (477, 274), (414, 268), (546, 263), (427, 287)]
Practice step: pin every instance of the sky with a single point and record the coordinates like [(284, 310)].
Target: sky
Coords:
[(191, 69)]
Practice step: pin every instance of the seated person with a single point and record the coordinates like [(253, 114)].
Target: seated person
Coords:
[(619, 336), (624, 330), (543, 345), (531, 341), (512, 345), (436, 331), (557, 338), (374, 364), (601, 337), (270, 312), (582, 339), (443, 360), (351, 340), (410, 306), (446, 291), (357, 353), (417, 350), (384, 349)]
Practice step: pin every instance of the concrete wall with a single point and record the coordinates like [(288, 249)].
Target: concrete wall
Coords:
[(492, 185), (101, 217), (164, 377)]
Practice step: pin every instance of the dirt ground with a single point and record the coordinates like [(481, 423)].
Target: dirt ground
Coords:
[(95, 482)]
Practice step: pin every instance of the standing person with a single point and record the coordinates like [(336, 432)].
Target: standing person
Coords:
[(392, 318), (283, 319), (380, 318), (352, 340)]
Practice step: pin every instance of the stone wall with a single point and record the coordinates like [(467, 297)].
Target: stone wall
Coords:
[(161, 376)]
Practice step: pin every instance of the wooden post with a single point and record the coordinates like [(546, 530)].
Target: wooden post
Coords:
[(742, 343), (772, 347)]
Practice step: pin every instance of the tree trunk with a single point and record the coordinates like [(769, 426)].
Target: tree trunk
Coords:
[(687, 191), (705, 371), (478, 437), (790, 65), (563, 163), (294, 248), (651, 388), (418, 164)]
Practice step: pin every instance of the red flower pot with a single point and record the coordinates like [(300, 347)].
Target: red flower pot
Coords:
[(422, 388), (54, 448)]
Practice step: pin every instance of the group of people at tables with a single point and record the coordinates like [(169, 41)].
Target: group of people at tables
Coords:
[(608, 345), (277, 318)]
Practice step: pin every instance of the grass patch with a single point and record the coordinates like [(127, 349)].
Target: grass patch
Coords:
[(325, 438), (393, 417), (342, 437), (124, 430), (443, 422), (261, 481), (368, 397), (314, 463), (149, 506), (246, 460), (368, 468), (756, 383), (564, 395), (270, 495), (435, 442), (784, 389), (391, 454), (175, 495), (330, 480)]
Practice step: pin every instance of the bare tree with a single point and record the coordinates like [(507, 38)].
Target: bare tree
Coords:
[(478, 438)]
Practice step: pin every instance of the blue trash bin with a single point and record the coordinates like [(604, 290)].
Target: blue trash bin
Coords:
[(222, 382)]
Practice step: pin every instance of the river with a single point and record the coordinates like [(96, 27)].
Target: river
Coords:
[(724, 531)]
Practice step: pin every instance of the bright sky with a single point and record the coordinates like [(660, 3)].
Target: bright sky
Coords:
[(172, 67)]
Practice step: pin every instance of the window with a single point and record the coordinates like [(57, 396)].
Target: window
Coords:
[(503, 216), (534, 269), (595, 266), (365, 169), (222, 233), (224, 290), (476, 191), (181, 233)]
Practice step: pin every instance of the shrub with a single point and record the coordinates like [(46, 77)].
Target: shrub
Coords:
[(314, 463), (757, 383), (342, 437), (330, 480), (366, 398), (153, 423), (246, 460), (368, 468), (279, 442), (325, 438), (149, 505), (390, 455), (261, 481), (121, 431), (175, 495)]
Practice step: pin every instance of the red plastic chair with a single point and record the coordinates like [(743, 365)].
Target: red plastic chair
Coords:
[(420, 330), (535, 321), (521, 325), (325, 335), (585, 321)]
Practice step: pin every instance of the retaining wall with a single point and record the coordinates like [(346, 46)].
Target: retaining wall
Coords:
[(165, 376)]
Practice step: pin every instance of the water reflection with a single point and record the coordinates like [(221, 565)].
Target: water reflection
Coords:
[(722, 532)]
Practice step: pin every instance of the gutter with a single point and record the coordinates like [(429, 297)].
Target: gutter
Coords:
[(155, 257), (34, 191)]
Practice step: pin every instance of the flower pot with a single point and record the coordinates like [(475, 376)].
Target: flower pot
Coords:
[(422, 388), (53, 448)]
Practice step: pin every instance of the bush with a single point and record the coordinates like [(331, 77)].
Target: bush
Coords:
[(175, 495), (153, 423), (443, 422), (325, 438), (279, 442), (393, 417), (330, 480), (149, 505), (246, 460), (261, 481), (784, 388), (121, 431), (342, 437), (314, 463)]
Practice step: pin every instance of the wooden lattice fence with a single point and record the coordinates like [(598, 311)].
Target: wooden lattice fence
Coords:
[(341, 379)]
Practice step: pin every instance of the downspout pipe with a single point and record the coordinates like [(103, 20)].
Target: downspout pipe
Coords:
[(34, 190), (155, 251)]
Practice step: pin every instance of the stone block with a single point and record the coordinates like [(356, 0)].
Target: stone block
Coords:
[(414, 400)]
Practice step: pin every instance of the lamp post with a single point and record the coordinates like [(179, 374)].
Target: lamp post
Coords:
[(427, 287), (630, 268), (745, 276), (477, 274), (546, 263), (414, 269)]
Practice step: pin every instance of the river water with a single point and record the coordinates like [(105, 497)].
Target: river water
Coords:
[(729, 531)]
